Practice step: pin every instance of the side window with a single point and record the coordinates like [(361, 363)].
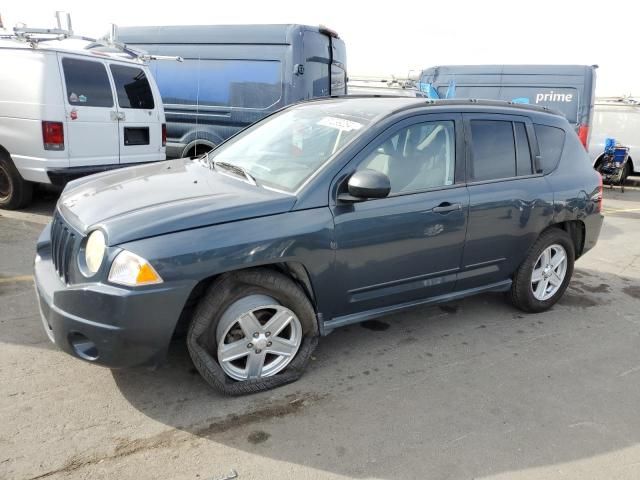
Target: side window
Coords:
[(418, 157), (551, 143), (87, 83), (523, 151), (493, 150), (317, 77), (132, 87), (338, 80), (219, 83)]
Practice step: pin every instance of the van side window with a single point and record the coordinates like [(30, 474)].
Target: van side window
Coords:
[(317, 76), (338, 80), (523, 151), (87, 83), (253, 84), (493, 150), (551, 143), (132, 87), (418, 157)]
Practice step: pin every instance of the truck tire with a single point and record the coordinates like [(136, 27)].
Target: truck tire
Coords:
[(253, 330), (15, 192), (544, 275)]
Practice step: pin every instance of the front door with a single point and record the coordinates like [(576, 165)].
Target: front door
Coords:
[(139, 122), (406, 247), (91, 124)]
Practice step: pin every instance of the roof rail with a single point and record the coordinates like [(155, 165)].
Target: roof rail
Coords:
[(64, 31)]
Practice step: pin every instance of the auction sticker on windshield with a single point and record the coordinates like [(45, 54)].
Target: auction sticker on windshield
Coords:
[(340, 123)]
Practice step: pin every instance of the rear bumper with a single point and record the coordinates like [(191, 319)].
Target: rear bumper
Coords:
[(105, 324), (61, 176), (592, 227)]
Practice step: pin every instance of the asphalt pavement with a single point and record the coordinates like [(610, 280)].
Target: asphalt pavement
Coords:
[(471, 389)]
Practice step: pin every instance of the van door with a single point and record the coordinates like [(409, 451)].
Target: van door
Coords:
[(91, 123), (139, 123), (317, 65)]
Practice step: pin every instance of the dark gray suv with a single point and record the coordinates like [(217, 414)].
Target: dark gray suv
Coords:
[(324, 214)]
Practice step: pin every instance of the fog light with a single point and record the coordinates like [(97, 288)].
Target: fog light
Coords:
[(83, 347)]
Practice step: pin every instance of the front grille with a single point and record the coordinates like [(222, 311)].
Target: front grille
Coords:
[(63, 242)]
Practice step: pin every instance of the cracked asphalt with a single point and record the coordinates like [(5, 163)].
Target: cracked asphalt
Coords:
[(471, 389)]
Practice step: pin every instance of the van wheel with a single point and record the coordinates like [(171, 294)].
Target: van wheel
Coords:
[(15, 192), (252, 331), (544, 275)]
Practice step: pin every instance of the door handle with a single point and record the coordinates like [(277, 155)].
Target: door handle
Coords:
[(446, 207), (117, 115)]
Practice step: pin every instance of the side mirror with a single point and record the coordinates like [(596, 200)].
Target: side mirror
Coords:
[(365, 184)]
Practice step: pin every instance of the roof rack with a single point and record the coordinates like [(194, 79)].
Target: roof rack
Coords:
[(64, 31)]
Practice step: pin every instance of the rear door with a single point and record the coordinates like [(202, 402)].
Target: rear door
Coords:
[(510, 201), (138, 115), (317, 65), (91, 122)]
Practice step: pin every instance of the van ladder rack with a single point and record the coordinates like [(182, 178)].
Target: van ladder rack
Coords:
[(34, 36)]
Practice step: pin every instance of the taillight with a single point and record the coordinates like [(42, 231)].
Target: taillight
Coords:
[(583, 135), (53, 135), (164, 134)]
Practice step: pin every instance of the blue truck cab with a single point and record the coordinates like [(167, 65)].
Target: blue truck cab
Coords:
[(235, 75)]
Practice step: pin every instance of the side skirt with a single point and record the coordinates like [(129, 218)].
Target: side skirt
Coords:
[(329, 325)]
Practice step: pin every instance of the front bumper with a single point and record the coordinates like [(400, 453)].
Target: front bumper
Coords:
[(106, 324)]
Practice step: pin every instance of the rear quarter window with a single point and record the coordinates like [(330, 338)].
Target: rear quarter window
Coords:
[(551, 143)]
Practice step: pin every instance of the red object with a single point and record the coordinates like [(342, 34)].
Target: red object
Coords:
[(74, 114), (583, 134), (164, 134), (53, 135)]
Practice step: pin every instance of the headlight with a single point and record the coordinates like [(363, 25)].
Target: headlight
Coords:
[(132, 270), (94, 251)]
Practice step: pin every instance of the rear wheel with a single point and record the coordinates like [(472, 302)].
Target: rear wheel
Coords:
[(545, 274), (198, 150), (15, 192), (254, 330)]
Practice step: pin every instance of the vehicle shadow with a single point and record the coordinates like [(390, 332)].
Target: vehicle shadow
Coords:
[(466, 389)]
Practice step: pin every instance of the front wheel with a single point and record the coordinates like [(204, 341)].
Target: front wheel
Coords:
[(542, 278), (254, 330)]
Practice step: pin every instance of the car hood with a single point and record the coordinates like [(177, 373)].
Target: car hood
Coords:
[(154, 199)]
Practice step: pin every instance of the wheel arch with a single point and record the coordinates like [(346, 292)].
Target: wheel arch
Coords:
[(294, 270), (192, 146), (4, 153), (576, 230)]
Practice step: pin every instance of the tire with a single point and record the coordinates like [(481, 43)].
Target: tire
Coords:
[(522, 290), (226, 301), (15, 192), (626, 173)]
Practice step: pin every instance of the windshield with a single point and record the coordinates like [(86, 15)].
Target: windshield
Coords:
[(285, 150)]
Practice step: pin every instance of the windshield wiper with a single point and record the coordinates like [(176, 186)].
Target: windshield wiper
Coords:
[(236, 170)]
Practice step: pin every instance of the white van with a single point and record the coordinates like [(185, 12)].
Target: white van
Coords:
[(66, 111), (617, 118)]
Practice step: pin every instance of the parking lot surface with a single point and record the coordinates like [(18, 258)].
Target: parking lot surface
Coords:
[(471, 389)]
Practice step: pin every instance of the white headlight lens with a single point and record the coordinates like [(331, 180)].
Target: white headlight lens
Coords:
[(131, 269), (94, 251)]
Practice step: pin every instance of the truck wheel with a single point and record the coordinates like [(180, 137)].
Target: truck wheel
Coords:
[(252, 331), (14, 191), (543, 277)]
